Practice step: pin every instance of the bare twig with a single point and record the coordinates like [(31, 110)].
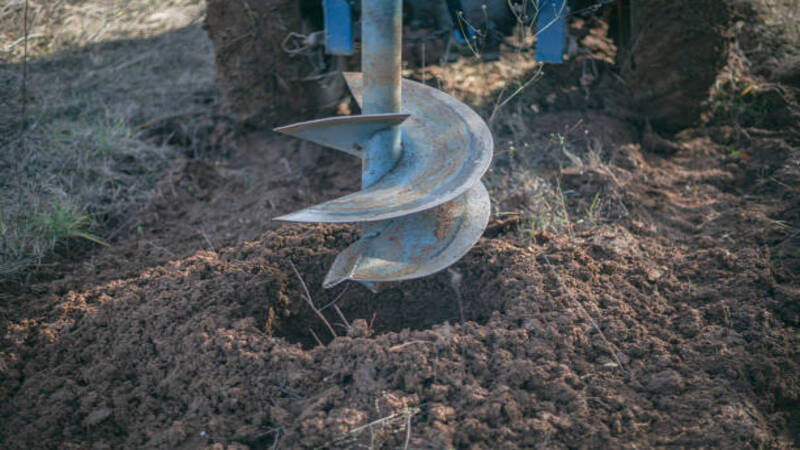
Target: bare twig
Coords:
[(24, 75), (311, 302), (316, 338), (278, 436), (371, 438), (406, 344), (613, 348), (163, 249), (208, 239), (500, 104), (341, 316), (406, 412), (455, 283), (333, 302), (408, 430)]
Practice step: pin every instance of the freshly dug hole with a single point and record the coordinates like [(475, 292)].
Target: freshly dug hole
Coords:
[(468, 291), (191, 338)]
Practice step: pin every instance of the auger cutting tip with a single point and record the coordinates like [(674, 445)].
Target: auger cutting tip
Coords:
[(354, 84), (298, 216), (417, 245)]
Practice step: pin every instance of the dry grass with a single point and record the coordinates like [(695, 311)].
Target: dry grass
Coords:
[(780, 29), (85, 153), (765, 52), (783, 14), (56, 26), (497, 91), (519, 190)]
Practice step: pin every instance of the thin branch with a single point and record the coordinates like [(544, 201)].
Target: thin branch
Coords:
[(406, 344), (499, 106), (404, 412), (341, 316), (24, 75), (455, 283), (333, 302), (408, 430), (311, 302), (316, 338), (277, 441), (208, 239)]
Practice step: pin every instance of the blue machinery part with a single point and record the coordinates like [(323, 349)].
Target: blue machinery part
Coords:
[(551, 28), (422, 205), (338, 27), (461, 39)]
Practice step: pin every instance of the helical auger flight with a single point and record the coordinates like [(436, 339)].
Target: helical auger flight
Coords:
[(422, 205)]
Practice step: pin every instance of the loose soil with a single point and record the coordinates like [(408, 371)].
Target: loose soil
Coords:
[(669, 317)]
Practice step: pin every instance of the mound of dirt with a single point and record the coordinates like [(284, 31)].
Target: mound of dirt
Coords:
[(665, 329), (675, 53)]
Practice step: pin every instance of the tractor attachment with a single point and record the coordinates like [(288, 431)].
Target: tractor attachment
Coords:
[(422, 205)]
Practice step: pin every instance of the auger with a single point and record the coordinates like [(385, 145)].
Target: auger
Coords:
[(422, 205)]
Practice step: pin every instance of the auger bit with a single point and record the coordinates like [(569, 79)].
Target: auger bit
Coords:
[(422, 205)]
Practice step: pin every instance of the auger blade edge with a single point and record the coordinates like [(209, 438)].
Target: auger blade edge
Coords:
[(447, 147), (416, 245), (348, 134)]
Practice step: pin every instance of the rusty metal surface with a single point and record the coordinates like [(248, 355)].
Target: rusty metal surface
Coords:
[(381, 55), (447, 147), (417, 245), (350, 134), (422, 205)]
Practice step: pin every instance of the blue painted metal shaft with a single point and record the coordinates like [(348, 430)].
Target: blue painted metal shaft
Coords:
[(381, 63)]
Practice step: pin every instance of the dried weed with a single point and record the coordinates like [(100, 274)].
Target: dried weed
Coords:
[(78, 150)]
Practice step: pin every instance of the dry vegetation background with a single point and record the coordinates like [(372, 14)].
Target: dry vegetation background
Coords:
[(88, 117), (58, 26), (79, 123), (87, 120)]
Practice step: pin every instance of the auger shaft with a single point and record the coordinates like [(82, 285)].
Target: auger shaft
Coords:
[(381, 63), (422, 205)]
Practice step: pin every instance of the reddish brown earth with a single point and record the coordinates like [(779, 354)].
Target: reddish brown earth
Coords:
[(669, 321)]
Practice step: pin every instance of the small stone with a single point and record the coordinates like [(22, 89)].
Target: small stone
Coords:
[(440, 412), (359, 328), (665, 382), (97, 416), (653, 274)]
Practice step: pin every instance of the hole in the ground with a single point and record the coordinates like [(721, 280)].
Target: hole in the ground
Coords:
[(469, 290)]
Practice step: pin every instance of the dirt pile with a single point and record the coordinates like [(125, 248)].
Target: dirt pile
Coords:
[(697, 341)]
